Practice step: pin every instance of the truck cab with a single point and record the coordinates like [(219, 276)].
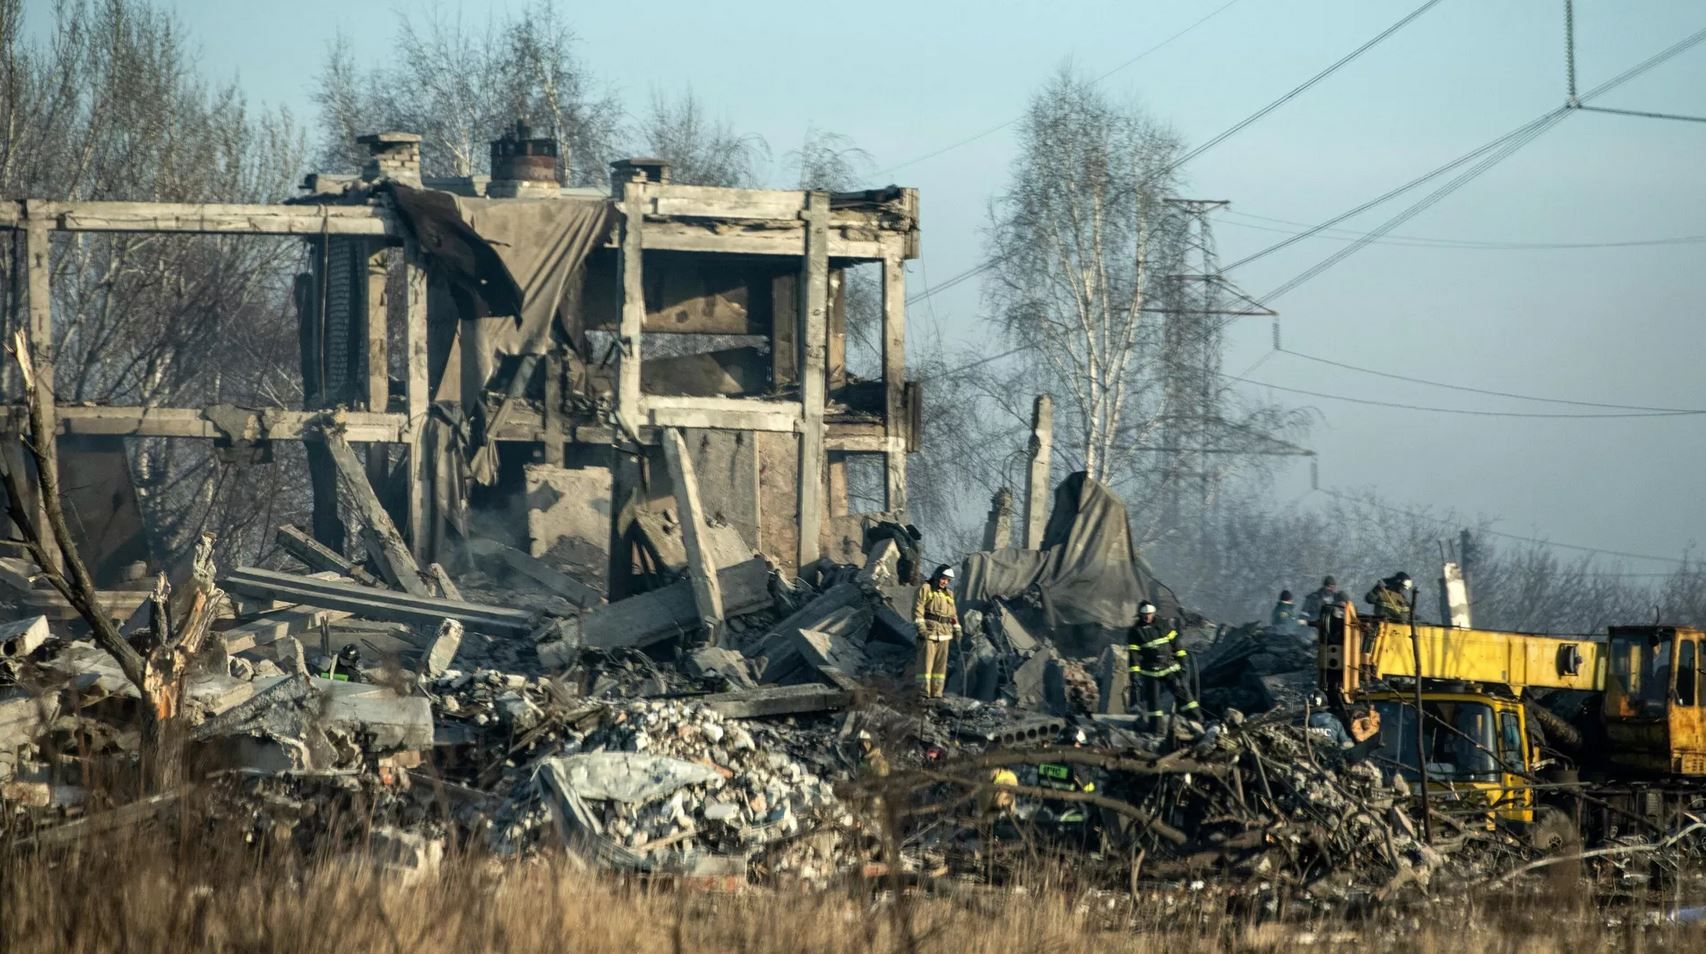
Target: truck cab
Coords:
[(1654, 706), (1476, 745)]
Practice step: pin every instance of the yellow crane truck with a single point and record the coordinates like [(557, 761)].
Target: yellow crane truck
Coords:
[(1636, 733)]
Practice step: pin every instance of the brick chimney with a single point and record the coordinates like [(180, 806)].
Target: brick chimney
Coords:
[(637, 170), (392, 155), (523, 165)]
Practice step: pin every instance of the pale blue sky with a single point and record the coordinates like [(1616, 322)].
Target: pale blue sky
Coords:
[(1618, 325)]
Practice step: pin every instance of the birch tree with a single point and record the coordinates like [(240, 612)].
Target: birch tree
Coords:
[(1071, 246)]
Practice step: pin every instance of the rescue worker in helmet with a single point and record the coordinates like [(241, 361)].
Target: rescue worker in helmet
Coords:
[(1156, 661), (1390, 597), (937, 622)]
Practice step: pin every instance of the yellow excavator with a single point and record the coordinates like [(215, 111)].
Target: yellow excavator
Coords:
[(1636, 733)]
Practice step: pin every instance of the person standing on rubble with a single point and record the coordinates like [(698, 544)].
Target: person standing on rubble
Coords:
[(1390, 597), (1157, 661), (1283, 620), (937, 622), (1320, 601)]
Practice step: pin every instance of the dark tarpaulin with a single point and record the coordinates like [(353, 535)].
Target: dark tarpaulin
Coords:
[(518, 255), (1087, 572)]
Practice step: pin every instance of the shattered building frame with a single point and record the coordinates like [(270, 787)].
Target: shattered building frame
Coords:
[(490, 341)]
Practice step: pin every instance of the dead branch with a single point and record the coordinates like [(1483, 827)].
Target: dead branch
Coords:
[(74, 582)]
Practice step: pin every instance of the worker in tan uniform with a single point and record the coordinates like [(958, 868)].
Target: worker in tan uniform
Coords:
[(937, 622)]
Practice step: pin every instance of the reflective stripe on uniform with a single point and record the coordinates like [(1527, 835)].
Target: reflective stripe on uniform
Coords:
[(1189, 705), (1172, 634), (1157, 673)]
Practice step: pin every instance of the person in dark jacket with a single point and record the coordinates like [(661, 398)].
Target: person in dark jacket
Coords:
[(1156, 662)]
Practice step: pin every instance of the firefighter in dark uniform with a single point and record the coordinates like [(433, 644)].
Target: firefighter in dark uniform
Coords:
[(1157, 662)]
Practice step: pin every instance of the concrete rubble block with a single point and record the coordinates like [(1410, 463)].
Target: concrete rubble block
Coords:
[(568, 512), (1029, 730), (1028, 679), (23, 719), (715, 661), (383, 720), (19, 639), (410, 855), (441, 655), (499, 557), (1019, 639), (277, 624), (625, 776), (776, 700), (1113, 679)]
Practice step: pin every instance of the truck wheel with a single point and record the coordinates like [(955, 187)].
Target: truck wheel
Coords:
[(1554, 833)]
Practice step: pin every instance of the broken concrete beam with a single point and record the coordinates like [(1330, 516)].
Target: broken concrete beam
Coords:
[(701, 567), (446, 586), (379, 534), (276, 625), (776, 701), (369, 603), (553, 579), (668, 612), (18, 574), (315, 555), (23, 637), (91, 825), (442, 653)]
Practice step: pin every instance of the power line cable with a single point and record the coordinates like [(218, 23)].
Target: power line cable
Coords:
[(1390, 194), (1306, 84), (1520, 136), (1471, 412), (997, 128), (1487, 391), (1219, 138), (1492, 159), (1486, 162), (1419, 241), (1643, 114)]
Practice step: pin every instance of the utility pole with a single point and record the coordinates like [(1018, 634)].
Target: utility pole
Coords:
[(1198, 302)]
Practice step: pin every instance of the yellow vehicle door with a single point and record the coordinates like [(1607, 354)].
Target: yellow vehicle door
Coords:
[(1687, 712), (1515, 800)]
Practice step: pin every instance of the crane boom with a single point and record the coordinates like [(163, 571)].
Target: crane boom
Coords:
[(1361, 656)]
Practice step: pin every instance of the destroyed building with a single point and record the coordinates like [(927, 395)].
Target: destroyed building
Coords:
[(505, 355)]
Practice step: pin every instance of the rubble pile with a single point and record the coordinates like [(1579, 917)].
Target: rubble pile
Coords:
[(773, 740), (1282, 809)]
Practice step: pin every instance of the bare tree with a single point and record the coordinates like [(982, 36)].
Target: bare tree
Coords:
[(108, 105), (701, 150), (830, 161), (459, 85)]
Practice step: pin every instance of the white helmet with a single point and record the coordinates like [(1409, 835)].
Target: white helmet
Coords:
[(1145, 607), (947, 573)]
